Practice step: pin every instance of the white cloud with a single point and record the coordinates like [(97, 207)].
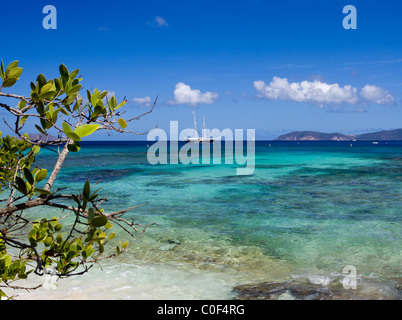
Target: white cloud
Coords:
[(183, 94), (376, 94), (316, 92), (160, 22), (145, 101)]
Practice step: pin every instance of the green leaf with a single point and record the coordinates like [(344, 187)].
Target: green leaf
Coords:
[(48, 95), (86, 190), (121, 104), (63, 111), (13, 64), (89, 95), (21, 185), (54, 221), (97, 111), (72, 136), (99, 221), (59, 84), (41, 80), (74, 147), (2, 73), (42, 191), (73, 74), (122, 123), (86, 129), (40, 129), (112, 103), (23, 119), (91, 214), (103, 94), (34, 96), (75, 198), (94, 195), (14, 73), (28, 176), (45, 124), (21, 104), (89, 251), (125, 244), (59, 238), (41, 108), (94, 99), (7, 260), (40, 175), (46, 88), (48, 241), (66, 127), (69, 99), (74, 89), (35, 149), (69, 132), (9, 82), (64, 73)]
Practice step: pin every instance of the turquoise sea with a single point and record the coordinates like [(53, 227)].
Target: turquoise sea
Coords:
[(308, 210)]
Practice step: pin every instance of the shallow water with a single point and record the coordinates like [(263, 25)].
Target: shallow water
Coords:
[(308, 210)]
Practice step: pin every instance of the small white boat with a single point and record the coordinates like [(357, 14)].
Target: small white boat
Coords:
[(202, 139), (375, 142)]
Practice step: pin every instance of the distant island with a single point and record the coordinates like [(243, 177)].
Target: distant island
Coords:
[(319, 136), (41, 137)]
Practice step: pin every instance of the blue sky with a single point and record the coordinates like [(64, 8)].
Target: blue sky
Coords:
[(272, 66)]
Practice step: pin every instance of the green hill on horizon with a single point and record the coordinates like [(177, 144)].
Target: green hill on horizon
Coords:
[(320, 136)]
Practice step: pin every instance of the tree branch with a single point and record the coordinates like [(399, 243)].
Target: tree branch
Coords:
[(58, 165)]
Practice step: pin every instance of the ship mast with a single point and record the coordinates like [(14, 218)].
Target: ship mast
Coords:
[(195, 126)]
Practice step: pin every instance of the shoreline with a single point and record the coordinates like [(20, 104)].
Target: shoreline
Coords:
[(158, 281), (209, 273)]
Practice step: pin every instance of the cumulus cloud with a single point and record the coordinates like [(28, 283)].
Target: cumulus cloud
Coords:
[(145, 101), (316, 92), (376, 94), (321, 93), (183, 94)]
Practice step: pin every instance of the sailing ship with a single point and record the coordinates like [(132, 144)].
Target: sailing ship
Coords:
[(203, 138)]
